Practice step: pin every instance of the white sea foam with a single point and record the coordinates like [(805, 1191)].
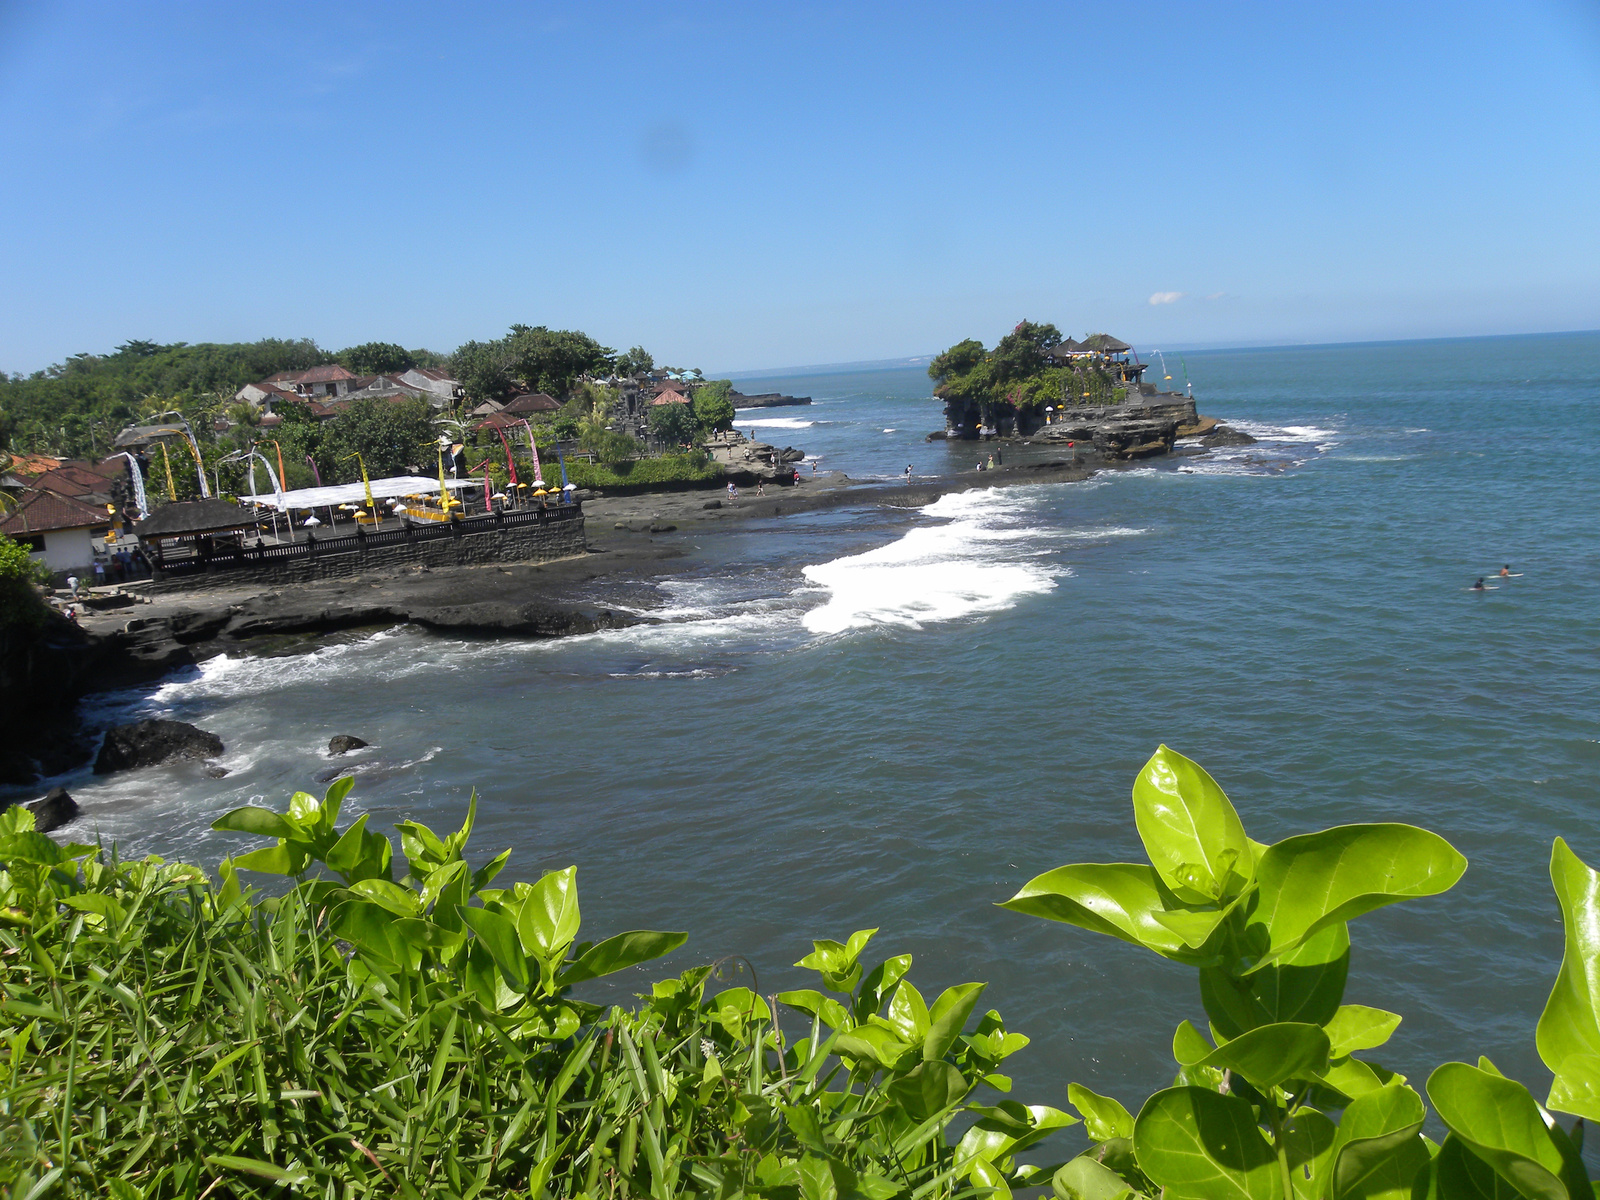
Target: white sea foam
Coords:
[(1311, 434), (971, 565), (775, 423)]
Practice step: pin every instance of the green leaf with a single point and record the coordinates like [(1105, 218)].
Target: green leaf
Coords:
[(1085, 1179), (836, 961), (370, 928), (1319, 879), (1308, 1140), (1379, 1151), (1267, 1055), (359, 855), (1455, 1173), (549, 919), (98, 903), (1577, 1086), (253, 819), (948, 1017), (1304, 985), (1190, 830), (929, 1088), (1356, 1027), (1008, 1127), (28, 847), (907, 1014), (270, 860), (401, 901), (1499, 1121), (620, 952), (873, 1044), (1103, 1117), (1205, 1145), (498, 935), (1570, 1023), (1119, 899)]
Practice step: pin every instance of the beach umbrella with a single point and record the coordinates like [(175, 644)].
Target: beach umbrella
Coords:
[(311, 522), (499, 496)]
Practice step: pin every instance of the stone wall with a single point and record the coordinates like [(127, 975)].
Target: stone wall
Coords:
[(512, 543)]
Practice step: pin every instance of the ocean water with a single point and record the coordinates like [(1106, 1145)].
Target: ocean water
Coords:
[(893, 718)]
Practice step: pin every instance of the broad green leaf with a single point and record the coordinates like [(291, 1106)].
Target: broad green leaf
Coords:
[(99, 903), (1193, 927), (907, 1014), (1577, 1086), (425, 935), (401, 901), (1499, 1121), (984, 1174), (253, 819), (1319, 879), (948, 1017), (1205, 1145), (1004, 1129), (879, 982), (873, 1044), (370, 928), (837, 961), (28, 847), (1085, 1179), (305, 810), (1119, 899), (1190, 830), (271, 860), (1456, 1173), (1304, 985), (359, 855), (834, 1015), (549, 917), (421, 846), (1103, 1117), (1378, 1152), (1266, 1056), (1308, 1140), (1351, 1077), (1357, 1027), (333, 800), (620, 952), (1570, 1023), (929, 1088), (498, 934)]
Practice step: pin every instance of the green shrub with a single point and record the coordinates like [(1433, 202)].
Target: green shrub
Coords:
[(418, 1036), (20, 604), (670, 472)]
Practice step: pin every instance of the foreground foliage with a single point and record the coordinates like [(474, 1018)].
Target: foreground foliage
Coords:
[(1251, 1111), (418, 1036), (400, 1026)]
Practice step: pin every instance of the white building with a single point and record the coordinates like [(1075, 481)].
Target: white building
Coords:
[(61, 534)]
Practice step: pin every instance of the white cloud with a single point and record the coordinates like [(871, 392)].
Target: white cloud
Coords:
[(1166, 297)]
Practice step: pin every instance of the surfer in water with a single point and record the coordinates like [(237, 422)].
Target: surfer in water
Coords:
[(1479, 586), (1505, 571)]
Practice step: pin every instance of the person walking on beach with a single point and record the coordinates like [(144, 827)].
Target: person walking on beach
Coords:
[(761, 488), (908, 472), (733, 493)]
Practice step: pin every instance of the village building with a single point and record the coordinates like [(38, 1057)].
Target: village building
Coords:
[(60, 533), (332, 383)]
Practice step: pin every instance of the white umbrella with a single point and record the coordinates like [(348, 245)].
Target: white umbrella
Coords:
[(310, 521)]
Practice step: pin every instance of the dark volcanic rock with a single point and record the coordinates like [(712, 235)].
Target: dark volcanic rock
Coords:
[(343, 743), (55, 810), (149, 743), (1227, 435), (216, 772)]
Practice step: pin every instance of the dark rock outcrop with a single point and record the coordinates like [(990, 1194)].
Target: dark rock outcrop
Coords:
[(1227, 435), (152, 742), (56, 809), (343, 743)]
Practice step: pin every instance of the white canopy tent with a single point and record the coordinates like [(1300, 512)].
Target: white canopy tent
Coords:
[(356, 493)]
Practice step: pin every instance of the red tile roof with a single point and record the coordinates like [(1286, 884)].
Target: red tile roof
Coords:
[(73, 479), (671, 398), (41, 511), (328, 374), (529, 403)]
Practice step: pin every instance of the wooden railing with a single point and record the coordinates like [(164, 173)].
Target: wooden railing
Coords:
[(188, 562)]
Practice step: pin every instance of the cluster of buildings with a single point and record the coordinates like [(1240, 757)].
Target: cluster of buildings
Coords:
[(329, 390), (63, 511)]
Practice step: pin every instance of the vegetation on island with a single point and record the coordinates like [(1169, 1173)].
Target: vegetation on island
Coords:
[(21, 607), (1016, 375), (401, 1026)]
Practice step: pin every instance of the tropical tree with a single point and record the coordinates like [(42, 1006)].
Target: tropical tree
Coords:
[(673, 423), (713, 405), (376, 358)]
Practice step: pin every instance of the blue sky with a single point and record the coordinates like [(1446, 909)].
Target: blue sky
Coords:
[(741, 186)]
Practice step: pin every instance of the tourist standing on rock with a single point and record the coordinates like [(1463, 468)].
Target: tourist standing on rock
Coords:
[(999, 459), (908, 472), (733, 493), (72, 586)]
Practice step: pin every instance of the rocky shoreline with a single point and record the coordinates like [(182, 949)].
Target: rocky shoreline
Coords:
[(46, 674)]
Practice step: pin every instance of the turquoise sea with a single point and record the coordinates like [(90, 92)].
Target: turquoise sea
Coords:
[(893, 718)]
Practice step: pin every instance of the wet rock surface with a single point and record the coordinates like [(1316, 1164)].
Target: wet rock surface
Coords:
[(153, 742), (56, 809), (343, 743)]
